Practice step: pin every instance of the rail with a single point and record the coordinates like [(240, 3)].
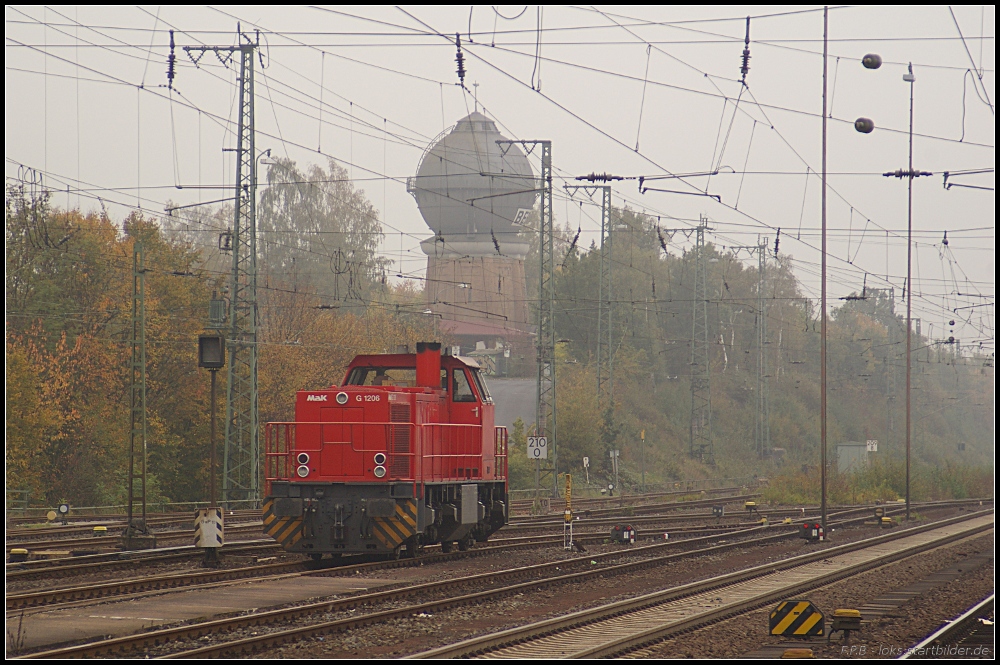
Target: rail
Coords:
[(951, 629), (651, 489)]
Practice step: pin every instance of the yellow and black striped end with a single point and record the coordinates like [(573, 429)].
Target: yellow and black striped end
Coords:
[(286, 530), (797, 618), (391, 532)]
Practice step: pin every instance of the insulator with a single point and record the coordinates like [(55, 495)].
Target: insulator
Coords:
[(864, 125), (872, 61), (460, 59), (745, 69), (171, 63)]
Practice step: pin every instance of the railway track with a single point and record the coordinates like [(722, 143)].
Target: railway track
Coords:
[(521, 506), (69, 566), (67, 596), (16, 539), (117, 523), (124, 645), (621, 511), (761, 535), (652, 528), (112, 541), (118, 519), (109, 590), (969, 635), (619, 628)]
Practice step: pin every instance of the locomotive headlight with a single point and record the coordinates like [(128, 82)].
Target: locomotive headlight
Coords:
[(341, 398), (303, 458), (380, 472), (302, 471), (380, 458)]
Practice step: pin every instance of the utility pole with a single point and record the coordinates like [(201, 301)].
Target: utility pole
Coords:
[(605, 350), (890, 357), (700, 430), (241, 456), (762, 429), (545, 403), (642, 437), (763, 409), (701, 445), (137, 535), (822, 306)]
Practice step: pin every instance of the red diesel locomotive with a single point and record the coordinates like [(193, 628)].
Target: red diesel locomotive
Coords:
[(402, 455)]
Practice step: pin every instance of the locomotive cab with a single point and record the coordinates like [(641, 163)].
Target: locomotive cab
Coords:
[(404, 453)]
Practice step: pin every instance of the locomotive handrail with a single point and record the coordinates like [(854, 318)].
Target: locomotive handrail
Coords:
[(500, 440), (280, 439)]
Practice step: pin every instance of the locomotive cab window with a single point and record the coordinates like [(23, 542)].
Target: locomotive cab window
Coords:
[(461, 391), (383, 376)]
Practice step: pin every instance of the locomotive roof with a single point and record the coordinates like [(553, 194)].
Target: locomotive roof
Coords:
[(407, 360)]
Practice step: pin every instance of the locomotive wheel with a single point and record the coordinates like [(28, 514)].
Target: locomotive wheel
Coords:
[(446, 546), (316, 557), (465, 544), (412, 548)]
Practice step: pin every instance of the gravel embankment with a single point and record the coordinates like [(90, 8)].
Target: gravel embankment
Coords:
[(905, 626)]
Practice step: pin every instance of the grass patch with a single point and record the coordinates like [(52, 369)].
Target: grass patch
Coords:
[(883, 481)]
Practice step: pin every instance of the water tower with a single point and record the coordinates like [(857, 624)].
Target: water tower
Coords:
[(475, 195)]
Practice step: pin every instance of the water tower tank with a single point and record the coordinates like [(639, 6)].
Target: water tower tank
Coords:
[(468, 186)]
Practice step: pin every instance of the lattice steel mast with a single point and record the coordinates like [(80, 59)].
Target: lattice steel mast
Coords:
[(546, 398), (137, 531), (241, 457), (763, 429), (545, 403), (605, 349), (701, 444)]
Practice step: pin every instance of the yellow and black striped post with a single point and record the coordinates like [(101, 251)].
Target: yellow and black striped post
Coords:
[(797, 618)]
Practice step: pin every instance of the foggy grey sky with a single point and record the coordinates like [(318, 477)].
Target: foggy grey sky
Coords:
[(87, 104)]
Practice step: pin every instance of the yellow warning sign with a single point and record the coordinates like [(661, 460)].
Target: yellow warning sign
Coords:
[(796, 618)]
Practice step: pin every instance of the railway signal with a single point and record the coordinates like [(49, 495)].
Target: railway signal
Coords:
[(568, 523), (208, 523)]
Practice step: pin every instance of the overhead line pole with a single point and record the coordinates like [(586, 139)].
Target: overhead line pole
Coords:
[(605, 378), (701, 443), (241, 456), (545, 404), (137, 534), (701, 439), (822, 346), (762, 430)]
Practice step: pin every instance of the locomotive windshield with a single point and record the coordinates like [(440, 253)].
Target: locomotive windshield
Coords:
[(481, 384)]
